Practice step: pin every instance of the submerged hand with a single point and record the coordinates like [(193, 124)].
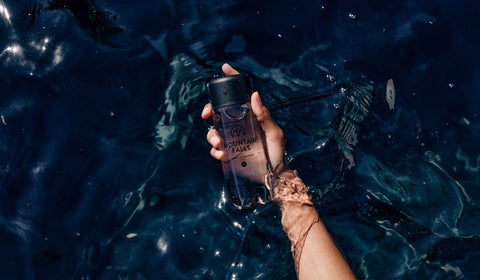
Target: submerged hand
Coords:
[(273, 133)]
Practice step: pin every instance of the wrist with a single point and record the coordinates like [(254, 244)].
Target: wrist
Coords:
[(298, 212), (280, 168), (286, 186)]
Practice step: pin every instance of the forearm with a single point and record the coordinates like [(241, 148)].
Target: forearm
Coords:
[(315, 254), (321, 258)]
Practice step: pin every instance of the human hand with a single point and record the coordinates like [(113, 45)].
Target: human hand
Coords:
[(273, 133)]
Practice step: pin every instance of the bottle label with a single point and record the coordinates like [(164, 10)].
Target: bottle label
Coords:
[(239, 142)]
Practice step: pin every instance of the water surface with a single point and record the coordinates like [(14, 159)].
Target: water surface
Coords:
[(105, 172)]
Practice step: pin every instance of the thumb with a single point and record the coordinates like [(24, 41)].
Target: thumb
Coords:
[(269, 126)]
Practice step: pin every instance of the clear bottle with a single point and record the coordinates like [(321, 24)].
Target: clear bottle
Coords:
[(245, 160)]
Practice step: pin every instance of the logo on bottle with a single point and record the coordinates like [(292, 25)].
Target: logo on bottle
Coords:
[(238, 131), (239, 143)]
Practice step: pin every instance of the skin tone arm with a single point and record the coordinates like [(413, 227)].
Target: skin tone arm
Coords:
[(320, 257)]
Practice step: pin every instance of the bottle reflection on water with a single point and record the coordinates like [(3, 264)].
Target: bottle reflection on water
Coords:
[(242, 140)]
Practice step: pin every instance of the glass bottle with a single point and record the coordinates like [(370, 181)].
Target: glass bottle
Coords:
[(245, 160)]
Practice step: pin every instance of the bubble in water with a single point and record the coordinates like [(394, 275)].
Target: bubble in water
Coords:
[(162, 244), (331, 77), (131, 235), (279, 35), (390, 94), (451, 85), (352, 16), (465, 121), (432, 157), (237, 225)]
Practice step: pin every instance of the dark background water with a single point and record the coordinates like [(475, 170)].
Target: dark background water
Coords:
[(105, 173)]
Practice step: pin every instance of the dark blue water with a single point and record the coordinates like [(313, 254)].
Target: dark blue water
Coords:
[(105, 173)]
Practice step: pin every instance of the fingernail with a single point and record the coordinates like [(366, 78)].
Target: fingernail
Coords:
[(218, 153), (215, 140)]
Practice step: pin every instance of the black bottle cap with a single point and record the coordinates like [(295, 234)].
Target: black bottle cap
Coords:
[(230, 90)]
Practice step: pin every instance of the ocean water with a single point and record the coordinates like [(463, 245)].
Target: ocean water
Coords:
[(105, 172)]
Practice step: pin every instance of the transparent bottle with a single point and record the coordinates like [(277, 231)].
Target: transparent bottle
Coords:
[(245, 160)]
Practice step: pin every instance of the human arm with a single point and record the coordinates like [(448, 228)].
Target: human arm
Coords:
[(315, 253)]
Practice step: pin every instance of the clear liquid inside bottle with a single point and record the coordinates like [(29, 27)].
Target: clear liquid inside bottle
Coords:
[(245, 161)]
